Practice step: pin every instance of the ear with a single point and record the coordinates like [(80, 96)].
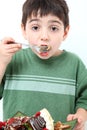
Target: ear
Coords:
[(23, 31), (66, 32)]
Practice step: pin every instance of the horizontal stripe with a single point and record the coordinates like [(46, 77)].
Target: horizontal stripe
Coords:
[(40, 78), (50, 85)]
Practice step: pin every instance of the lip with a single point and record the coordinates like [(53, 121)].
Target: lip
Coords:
[(43, 54)]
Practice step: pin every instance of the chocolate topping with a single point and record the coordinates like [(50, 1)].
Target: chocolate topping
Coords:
[(37, 123)]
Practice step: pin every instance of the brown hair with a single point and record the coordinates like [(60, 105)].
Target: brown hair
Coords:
[(58, 8)]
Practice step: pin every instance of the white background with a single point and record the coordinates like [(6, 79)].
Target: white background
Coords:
[(10, 21)]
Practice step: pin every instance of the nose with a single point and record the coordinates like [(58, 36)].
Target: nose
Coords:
[(44, 35)]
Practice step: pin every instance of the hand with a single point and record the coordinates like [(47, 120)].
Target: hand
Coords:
[(81, 116), (8, 50)]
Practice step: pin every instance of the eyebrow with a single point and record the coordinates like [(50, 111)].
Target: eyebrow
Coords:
[(55, 21), (50, 21), (33, 20)]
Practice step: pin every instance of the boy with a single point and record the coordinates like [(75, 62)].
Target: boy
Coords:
[(43, 75)]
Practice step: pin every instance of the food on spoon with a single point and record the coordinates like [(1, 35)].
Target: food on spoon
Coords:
[(41, 48), (44, 48)]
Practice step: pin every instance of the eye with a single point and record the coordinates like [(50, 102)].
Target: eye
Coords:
[(54, 28), (35, 28)]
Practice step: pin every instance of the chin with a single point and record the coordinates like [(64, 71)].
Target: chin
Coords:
[(43, 57)]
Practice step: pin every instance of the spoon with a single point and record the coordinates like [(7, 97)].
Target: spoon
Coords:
[(40, 49)]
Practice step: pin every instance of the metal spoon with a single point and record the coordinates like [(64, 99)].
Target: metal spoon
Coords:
[(40, 49)]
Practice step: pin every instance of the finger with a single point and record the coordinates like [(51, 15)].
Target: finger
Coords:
[(12, 46), (13, 50), (6, 40), (70, 117)]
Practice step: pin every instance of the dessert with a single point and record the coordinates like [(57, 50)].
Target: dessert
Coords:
[(42, 120)]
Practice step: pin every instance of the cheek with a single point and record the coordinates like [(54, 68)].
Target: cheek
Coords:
[(32, 39), (29, 36), (57, 42)]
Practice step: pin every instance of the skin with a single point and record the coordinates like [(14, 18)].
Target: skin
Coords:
[(46, 30)]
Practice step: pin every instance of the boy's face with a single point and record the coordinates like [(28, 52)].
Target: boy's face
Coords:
[(46, 30)]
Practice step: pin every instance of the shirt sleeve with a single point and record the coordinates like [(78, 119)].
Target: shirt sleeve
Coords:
[(81, 89), (1, 88)]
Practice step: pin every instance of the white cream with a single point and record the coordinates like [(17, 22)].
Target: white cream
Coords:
[(47, 117)]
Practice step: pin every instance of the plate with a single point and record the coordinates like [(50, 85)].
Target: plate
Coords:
[(19, 114), (71, 123)]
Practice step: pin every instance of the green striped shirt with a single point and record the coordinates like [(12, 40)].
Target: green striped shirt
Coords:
[(58, 84)]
